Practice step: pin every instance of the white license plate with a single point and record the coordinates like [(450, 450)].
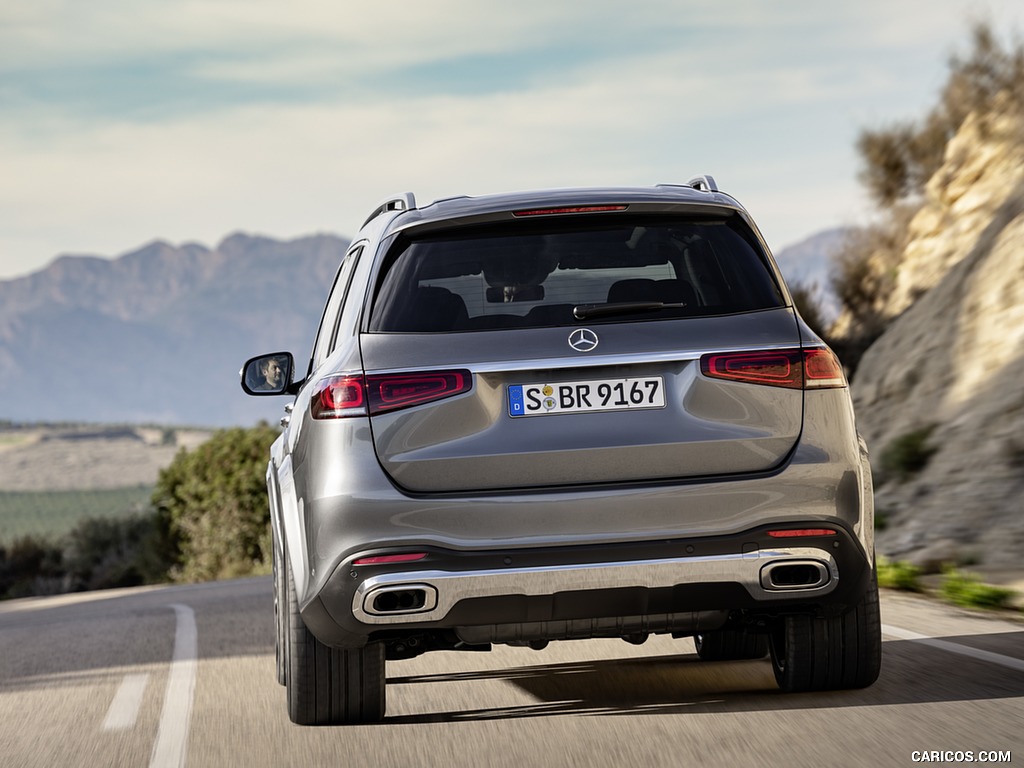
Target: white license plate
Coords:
[(586, 396)]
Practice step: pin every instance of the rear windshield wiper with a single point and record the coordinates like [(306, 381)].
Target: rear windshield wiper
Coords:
[(587, 311)]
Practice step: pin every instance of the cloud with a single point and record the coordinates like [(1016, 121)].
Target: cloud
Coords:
[(321, 166), (124, 120)]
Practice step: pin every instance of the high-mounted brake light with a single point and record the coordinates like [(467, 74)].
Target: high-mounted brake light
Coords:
[(344, 396), (570, 209), (816, 368)]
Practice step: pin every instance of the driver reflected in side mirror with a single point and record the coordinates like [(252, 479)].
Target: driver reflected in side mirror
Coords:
[(268, 374)]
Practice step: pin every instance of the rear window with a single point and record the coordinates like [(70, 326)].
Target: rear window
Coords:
[(591, 270)]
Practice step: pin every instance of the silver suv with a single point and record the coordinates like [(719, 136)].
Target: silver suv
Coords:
[(558, 415)]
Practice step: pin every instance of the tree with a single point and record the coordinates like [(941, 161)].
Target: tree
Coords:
[(211, 504), (896, 162)]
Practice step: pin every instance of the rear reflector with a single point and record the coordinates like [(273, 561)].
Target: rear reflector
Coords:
[(816, 368), (570, 209), (800, 532), (407, 557), (344, 396)]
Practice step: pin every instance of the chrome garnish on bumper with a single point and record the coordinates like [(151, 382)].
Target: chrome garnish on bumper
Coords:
[(808, 570)]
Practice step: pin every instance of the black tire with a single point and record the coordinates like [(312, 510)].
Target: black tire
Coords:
[(329, 686), (280, 626), (731, 645), (826, 654)]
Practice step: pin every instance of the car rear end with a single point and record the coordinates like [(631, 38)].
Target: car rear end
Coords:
[(578, 414)]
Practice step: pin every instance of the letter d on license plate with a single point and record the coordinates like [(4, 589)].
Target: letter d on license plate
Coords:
[(586, 396)]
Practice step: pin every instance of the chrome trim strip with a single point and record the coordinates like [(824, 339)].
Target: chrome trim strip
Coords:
[(590, 361), (455, 586)]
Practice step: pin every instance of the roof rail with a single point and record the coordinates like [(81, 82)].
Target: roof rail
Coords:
[(406, 201), (703, 183)]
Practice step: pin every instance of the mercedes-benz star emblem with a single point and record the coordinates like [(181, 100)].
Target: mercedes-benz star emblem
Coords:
[(583, 339)]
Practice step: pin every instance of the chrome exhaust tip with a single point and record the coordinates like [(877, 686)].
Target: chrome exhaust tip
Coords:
[(400, 599), (795, 575)]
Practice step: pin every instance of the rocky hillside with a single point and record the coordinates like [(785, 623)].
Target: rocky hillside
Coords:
[(159, 334), (944, 385)]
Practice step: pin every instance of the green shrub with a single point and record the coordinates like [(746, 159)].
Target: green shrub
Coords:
[(99, 553), (968, 590), (908, 454), (30, 566), (102, 553), (212, 509), (898, 575)]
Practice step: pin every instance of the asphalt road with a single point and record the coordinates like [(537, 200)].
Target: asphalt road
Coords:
[(185, 676)]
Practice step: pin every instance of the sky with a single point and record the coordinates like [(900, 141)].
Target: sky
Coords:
[(126, 121)]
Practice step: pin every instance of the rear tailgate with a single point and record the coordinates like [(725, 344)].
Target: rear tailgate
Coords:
[(635, 408)]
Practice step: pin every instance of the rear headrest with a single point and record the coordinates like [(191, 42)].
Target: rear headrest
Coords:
[(432, 308), (640, 289)]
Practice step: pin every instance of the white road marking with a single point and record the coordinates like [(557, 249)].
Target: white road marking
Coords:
[(124, 709), (175, 718), (964, 650)]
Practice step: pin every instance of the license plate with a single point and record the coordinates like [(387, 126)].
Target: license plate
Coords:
[(586, 396)]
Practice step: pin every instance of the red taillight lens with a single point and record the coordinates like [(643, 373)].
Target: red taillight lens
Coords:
[(801, 532), (775, 368), (337, 397), (822, 369), (389, 392), (815, 368)]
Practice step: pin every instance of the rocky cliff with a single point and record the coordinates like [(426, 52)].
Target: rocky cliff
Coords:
[(950, 366)]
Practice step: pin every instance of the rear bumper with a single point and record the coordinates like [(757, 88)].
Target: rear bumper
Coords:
[(659, 586), (764, 575)]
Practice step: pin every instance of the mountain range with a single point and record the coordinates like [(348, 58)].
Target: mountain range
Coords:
[(157, 335)]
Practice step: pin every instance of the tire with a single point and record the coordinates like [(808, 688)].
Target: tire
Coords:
[(280, 625), (829, 653), (730, 645), (330, 686)]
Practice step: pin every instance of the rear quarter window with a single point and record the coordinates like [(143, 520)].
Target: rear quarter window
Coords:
[(527, 276)]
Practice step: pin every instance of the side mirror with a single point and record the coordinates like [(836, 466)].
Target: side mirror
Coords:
[(268, 374)]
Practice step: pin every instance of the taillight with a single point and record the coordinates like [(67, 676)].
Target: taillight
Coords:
[(343, 396), (338, 397), (816, 368), (822, 369), (775, 368), (391, 391)]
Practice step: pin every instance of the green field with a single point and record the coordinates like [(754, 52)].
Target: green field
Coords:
[(52, 514)]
